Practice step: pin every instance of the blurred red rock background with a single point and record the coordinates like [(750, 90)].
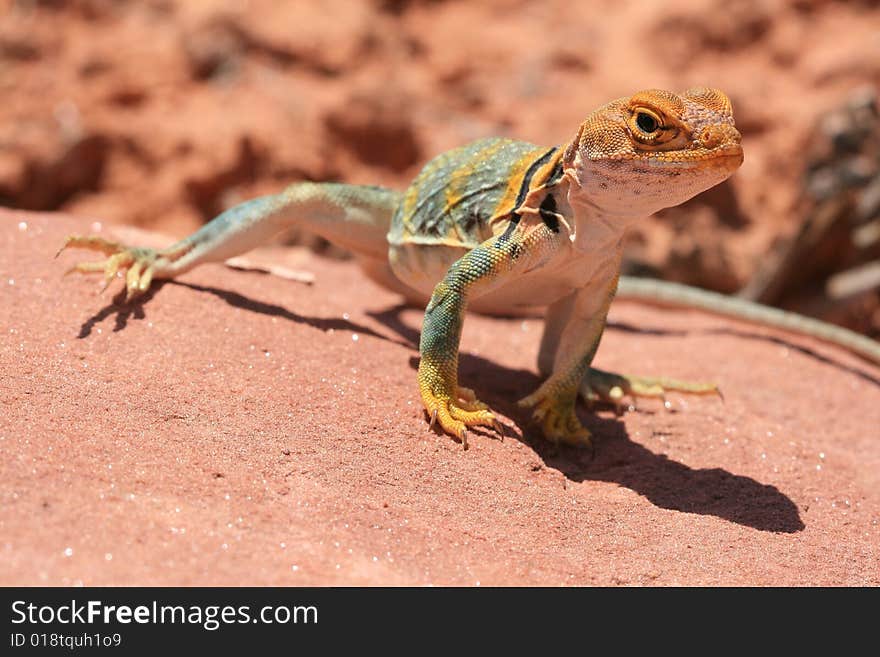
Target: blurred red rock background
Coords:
[(162, 113)]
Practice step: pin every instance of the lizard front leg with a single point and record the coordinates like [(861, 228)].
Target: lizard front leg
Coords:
[(452, 407), (599, 385), (570, 342), (480, 270)]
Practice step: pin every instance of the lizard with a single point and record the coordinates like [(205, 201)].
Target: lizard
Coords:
[(506, 227)]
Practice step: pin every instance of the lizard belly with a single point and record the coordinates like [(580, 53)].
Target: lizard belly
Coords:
[(422, 266), (535, 290)]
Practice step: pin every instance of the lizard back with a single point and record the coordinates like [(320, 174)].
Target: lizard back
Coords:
[(465, 196)]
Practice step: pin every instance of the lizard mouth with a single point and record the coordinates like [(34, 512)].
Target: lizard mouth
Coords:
[(729, 159), (726, 156), (730, 155)]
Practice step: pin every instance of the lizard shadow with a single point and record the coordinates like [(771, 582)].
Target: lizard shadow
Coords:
[(751, 335), (666, 483), (124, 311), (672, 485), (324, 324), (390, 317)]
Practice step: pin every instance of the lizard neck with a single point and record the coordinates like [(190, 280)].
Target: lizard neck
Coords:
[(594, 228)]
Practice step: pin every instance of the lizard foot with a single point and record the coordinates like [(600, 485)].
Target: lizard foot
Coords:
[(455, 415), (611, 388), (558, 419), (140, 262)]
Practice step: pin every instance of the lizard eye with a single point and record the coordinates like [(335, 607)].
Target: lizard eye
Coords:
[(647, 122)]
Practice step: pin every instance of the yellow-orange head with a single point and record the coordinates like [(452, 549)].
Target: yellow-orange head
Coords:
[(652, 150)]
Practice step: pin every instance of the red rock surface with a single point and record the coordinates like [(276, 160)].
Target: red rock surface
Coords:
[(237, 428)]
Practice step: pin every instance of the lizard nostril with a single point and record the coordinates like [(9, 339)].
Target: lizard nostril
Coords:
[(709, 138), (718, 135)]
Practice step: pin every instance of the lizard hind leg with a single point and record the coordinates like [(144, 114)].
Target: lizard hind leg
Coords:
[(609, 387), (354, 217)]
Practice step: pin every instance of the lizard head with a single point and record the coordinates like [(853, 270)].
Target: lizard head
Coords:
[(653, 150)]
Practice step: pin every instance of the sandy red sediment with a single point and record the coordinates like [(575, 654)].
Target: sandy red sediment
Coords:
[(238, 428)]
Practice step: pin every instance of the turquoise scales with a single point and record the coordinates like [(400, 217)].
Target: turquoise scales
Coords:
[(504, 226)]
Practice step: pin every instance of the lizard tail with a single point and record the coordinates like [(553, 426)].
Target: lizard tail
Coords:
[(664, 293)]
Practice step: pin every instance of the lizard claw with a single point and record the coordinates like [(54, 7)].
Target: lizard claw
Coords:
[(140, 263), (454, 416), (557, 418)]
